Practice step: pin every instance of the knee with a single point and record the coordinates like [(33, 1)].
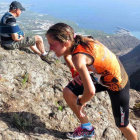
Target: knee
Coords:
[(68, 94), (65, 92), (38, 38)]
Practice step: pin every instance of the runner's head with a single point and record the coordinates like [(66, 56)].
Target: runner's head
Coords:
[(61, 32), (60, 37)]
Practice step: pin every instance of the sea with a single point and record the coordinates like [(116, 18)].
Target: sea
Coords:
[(103, 15)]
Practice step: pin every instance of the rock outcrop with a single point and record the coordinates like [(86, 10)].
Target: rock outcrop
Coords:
[(32, 105)]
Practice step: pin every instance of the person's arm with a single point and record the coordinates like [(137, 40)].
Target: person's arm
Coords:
[(15, 37), (68, 60), (11, 21), (80, 61)]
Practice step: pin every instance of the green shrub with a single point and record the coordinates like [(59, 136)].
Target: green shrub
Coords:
[(25, 79)]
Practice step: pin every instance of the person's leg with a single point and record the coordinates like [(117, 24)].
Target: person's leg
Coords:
[(71, 100), (129, 132), (35, 43), (34, 49), (120, 107), (39, 48), (39, 45), (70, 94)]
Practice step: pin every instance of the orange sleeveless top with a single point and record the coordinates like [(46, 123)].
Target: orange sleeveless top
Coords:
[(106, 65)]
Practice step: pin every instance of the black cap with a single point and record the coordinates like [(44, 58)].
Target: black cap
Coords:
[(16, 5)]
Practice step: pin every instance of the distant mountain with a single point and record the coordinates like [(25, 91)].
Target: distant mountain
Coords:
[(131, 60), (135, 80), (120, 44)]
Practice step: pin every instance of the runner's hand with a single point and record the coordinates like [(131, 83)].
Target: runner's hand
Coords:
[(78, 80)]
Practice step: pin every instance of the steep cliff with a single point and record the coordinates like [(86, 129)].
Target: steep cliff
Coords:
[(32, 105), (131, 60), (120, 44), (135, 80)]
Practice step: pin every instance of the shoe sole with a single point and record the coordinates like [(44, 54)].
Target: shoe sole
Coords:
[(49, 62), (81, 137)]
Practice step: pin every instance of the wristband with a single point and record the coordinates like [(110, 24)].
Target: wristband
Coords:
[(74, 72), (79, 101)]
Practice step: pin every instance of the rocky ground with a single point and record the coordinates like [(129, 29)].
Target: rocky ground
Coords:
[(32, 105)]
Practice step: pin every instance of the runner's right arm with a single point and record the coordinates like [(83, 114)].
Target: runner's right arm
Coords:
[(74, 72), (68, 60)]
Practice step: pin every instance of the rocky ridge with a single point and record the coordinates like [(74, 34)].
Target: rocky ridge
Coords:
[(32, 105), (134, 80), (131, 60), (120, 44)]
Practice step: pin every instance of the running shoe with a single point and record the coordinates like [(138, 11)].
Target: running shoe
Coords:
[(46, 58), (80, 133)]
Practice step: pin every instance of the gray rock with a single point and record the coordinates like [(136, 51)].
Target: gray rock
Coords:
[(32, 105)]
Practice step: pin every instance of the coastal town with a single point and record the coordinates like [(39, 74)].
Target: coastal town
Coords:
[(34, 23), (120, 30)]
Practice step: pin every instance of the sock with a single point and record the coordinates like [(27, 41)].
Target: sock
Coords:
[(44, 53), (87, 126)]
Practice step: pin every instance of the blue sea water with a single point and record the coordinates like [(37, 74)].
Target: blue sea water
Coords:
[(103, 15), (136, 34)]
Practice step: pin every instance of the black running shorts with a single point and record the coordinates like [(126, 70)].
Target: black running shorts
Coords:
[(119, 100)]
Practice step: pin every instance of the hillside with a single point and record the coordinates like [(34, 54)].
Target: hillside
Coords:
[(131, 60), (135, 80), (120, 44), (32, 105)]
